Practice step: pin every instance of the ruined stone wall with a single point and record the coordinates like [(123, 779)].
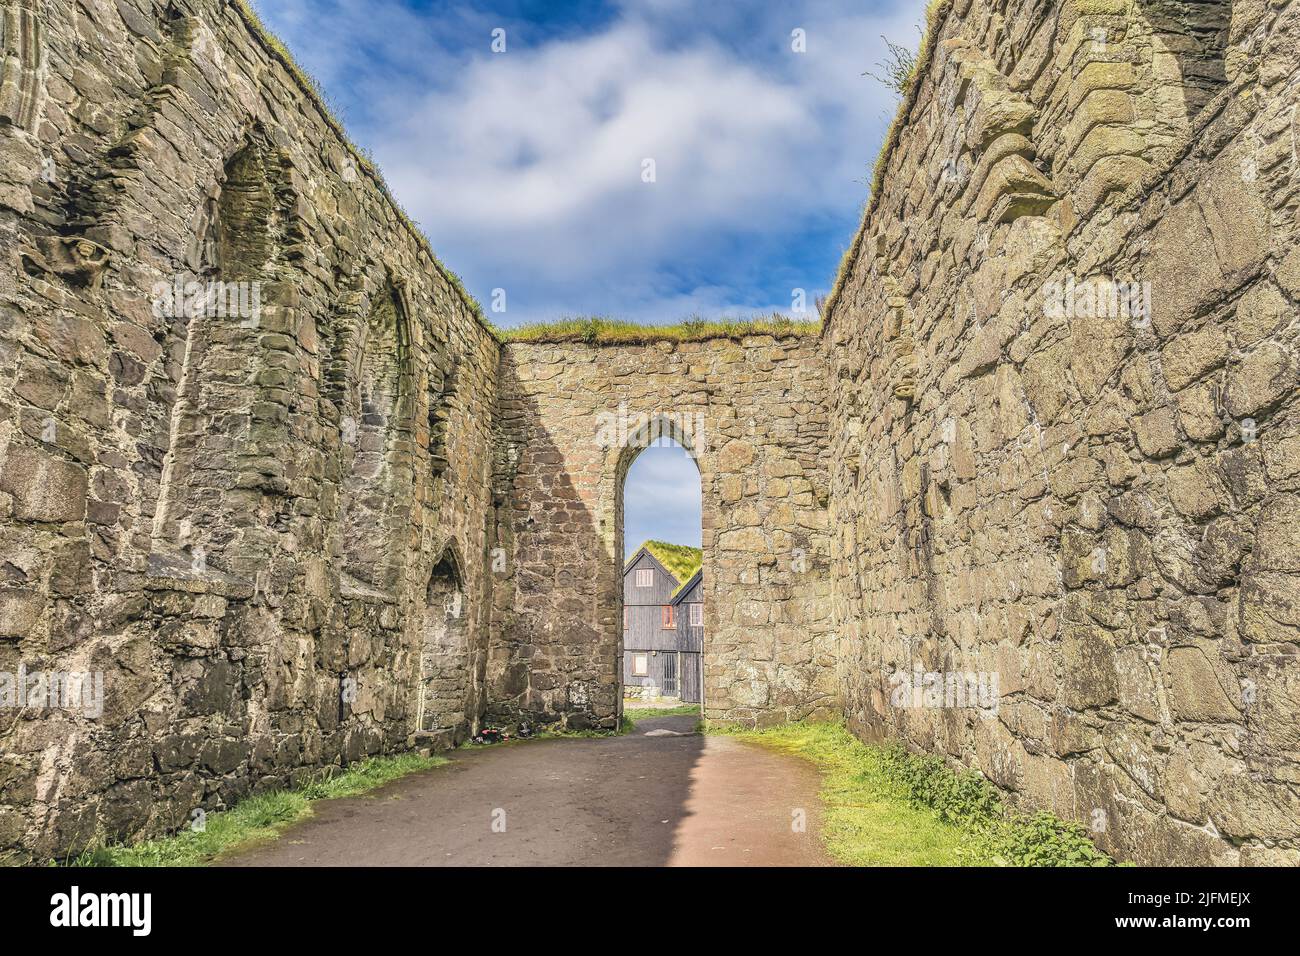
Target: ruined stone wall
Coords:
[(572, 419), (233, 518), (1098, 507), (335, 517)]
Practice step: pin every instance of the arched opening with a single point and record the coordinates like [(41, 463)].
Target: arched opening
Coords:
[(660, 544), (442, 702), (443, 381), (372, 424), (214, 317), (245, 225)]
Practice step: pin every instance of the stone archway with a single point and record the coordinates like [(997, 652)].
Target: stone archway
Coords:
[(749, 413), (688, 433), (375, 426), (445, 672)]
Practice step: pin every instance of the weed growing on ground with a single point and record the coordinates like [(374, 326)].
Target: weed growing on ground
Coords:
[(257, 818)]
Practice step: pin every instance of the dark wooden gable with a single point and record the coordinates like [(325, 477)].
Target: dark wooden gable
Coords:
[(659, 593), (691, 592)]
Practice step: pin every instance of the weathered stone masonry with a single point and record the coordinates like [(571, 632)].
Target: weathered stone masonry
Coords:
[(573, 419), (350, 521), (1102, 511), (237, 521)]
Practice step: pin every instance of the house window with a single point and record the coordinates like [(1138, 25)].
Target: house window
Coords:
[(627, 616), (697, 615), (669, 620), (640, 665), (645, 577)]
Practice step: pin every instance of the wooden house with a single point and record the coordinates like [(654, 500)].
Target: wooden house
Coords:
[(663, 621), (689, 615)]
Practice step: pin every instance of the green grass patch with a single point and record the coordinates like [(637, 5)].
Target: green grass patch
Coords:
[(885, 806), (634, 715), (258, 818), (598, 330)]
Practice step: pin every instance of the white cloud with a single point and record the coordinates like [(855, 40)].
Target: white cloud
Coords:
[(545, 149), (525, 167)]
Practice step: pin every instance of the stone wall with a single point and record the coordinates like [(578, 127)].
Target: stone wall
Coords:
[(233, 518), (1099, 508), (1048, 440), (573, 419)]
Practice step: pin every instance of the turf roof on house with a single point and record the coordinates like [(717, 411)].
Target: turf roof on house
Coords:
[(680, 560)]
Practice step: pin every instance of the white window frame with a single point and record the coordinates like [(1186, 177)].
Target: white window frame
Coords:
[(640, 665), (645, 577), (697, 615)]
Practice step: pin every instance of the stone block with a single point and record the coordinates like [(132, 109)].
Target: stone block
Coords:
[(1088, 677), (1157, 433), (1277, 535), (1236, 217), (1183, 268), (44, 487), (1260, 312), (1265, 375), (1189, 356), (1196, 690), (20, 610)]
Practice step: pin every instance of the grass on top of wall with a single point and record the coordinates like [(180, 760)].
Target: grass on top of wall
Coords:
[(257, 818), (597, 330), (885, 806), (364, 159), (936, 13)]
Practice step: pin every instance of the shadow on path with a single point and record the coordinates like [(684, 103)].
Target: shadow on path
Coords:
[(643, 799)]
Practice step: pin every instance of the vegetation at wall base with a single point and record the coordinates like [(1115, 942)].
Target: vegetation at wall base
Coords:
[(634, 715), (591, 733), (258, 818), (887, 806), (631, 717)]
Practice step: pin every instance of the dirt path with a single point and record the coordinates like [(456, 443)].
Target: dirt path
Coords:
[(637, 800)]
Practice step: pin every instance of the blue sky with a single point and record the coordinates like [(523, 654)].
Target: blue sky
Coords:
[(525, 167), (661, 498)]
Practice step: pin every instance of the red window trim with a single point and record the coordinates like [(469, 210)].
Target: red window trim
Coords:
[(627, 616), (667, 617)]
